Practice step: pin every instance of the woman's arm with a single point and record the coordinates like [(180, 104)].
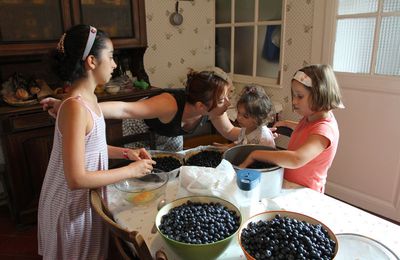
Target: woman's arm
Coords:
[(313, 146), (74, 122), (225, 127), (162, 106), (127, 153)]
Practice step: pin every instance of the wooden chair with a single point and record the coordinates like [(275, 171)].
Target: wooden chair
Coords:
[(121, 235)]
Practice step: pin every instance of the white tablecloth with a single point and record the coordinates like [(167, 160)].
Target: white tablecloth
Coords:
[(338, 216)]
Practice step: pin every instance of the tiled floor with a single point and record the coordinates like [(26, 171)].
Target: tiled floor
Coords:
[(22, 244)]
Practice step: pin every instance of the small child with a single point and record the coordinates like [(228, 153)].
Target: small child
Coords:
[(254, 108), (314, 141), (67, 226)]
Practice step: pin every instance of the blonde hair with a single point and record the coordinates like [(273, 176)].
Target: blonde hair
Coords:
[(325, 91)]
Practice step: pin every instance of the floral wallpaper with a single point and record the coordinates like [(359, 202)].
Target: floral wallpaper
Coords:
[(174, 49), (297, 48)]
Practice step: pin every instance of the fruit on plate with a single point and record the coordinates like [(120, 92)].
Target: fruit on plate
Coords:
[(34, 90), (21, 94)]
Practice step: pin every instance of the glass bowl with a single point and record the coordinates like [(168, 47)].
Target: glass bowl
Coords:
[(143, 190)]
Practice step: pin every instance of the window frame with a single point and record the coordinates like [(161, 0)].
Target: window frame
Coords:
[(253, 79), (323, 46)]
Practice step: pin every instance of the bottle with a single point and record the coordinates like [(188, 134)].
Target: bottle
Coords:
[(248, 182)]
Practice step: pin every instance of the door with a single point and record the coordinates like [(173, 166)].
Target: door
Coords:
[(366, 171)]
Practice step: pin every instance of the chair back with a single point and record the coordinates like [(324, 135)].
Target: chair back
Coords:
[(142, 251)]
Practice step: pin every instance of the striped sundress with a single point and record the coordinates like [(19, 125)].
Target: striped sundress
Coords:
[(67, 226)]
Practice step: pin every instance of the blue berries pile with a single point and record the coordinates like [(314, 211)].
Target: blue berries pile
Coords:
[(287, 238), (199, 223), (205, 159), (167, 163)]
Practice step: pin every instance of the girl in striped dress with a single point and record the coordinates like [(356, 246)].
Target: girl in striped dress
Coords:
[(67, 227)]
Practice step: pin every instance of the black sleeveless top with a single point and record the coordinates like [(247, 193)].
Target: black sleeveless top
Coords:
[(174, 127)]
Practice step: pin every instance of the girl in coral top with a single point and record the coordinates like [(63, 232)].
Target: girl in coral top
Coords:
[(314, 141)]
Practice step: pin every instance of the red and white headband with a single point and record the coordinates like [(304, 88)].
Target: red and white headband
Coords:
[(303, 78), (89, 42)]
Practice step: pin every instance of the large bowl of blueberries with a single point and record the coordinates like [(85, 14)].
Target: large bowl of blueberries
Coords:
[(286, 235), (198, 227)]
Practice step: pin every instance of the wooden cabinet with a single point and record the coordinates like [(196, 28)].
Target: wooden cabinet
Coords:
[(29, 29), (27, 138), (35, 26)]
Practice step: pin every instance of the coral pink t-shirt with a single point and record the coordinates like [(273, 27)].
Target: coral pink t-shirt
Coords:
[(314, 173)]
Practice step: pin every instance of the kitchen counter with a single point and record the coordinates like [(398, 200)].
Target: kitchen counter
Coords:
[(338, 216)]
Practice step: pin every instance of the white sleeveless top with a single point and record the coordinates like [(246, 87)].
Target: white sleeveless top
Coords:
[(67, 226)]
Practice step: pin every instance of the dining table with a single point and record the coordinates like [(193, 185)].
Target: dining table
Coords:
[(340, 217)]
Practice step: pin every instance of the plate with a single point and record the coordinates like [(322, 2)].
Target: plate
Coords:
[(19, 103), (355, 246)]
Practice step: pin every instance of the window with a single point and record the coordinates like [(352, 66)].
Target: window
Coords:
[(367, 37), (248, 35)]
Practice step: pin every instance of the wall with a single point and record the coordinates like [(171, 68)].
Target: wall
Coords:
[(174, 49)]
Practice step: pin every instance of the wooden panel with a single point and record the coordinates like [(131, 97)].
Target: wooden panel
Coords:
[(25, 122)]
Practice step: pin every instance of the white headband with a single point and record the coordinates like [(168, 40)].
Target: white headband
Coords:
[(89, 42), (303, 78)]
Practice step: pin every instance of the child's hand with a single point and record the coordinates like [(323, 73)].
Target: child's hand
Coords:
[(249, 160), (137, 154), (141, 168), (274, 133)]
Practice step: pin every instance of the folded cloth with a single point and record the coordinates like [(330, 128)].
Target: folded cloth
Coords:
[(219, 181)]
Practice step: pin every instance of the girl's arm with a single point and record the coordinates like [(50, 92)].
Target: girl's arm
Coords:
[(225, 127), (162, 106), (74, 122), (314, 145)]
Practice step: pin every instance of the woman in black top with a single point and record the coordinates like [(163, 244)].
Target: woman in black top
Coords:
[(174, 113)]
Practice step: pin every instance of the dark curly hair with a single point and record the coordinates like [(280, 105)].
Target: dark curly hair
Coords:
[(67, 61), (205, 87), (256, 103)]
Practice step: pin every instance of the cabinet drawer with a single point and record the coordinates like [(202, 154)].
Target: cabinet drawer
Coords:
[(31, 121)]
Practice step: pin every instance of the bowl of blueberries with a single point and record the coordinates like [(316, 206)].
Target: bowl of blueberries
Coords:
[(168, 162), (203, 156), (286, 235), (198, 227)]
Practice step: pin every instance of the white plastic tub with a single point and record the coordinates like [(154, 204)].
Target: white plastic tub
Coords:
[(271, 178)]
